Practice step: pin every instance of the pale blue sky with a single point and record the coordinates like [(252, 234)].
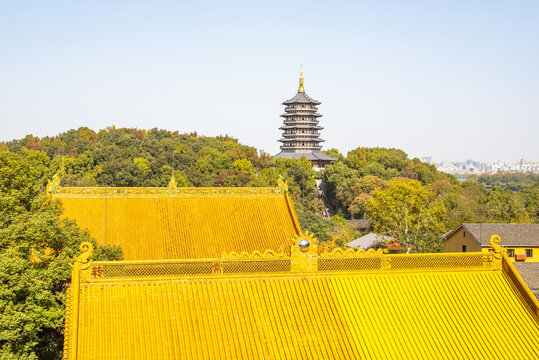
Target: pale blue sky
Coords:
[(454, 79)]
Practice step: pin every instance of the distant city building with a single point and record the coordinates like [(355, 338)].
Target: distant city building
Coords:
[(301, 132), (469, 167), (427, 159)]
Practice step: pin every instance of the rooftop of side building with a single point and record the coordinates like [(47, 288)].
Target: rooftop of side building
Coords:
[(512, 234)]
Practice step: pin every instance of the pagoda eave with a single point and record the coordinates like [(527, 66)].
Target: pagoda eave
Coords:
[(301, 114), (315, 127), (284, 140)]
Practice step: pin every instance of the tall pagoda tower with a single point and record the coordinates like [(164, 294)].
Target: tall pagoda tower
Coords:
[(301, 132)]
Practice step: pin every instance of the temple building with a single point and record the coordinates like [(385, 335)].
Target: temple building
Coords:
[(301, 130), (308, 302), (178, 223), (228, 273)]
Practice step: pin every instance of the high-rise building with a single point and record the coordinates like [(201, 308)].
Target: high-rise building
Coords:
[(301, 129)]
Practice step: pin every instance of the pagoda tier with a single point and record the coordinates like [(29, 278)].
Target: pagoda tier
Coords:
[(301, 132), (302, 137), (295, 122), (300, 114), (285, 127)]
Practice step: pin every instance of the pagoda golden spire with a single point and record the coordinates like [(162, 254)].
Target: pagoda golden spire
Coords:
[(301, 89)]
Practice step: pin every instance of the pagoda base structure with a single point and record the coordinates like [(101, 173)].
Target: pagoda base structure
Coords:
[(316, 157)]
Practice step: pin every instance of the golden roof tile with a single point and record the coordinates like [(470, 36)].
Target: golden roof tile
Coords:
[(334, 305), (176, 223)]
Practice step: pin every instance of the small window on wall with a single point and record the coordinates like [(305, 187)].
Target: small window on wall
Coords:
[(463, 248), (464, 232), (529, 253), (511, 252)]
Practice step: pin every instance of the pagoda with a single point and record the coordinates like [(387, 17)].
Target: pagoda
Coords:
[(301, 132)]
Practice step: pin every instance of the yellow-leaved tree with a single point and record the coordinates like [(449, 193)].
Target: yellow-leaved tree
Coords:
[(410, 212)]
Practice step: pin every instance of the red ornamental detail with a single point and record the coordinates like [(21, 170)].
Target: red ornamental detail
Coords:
[(217, 268), (97, 271)]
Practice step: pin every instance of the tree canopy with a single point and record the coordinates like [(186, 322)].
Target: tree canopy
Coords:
[(408, 211), (36, 253)]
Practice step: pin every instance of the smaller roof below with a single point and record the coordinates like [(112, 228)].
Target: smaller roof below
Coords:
[(310, 155), (301, 97), (510, 234), (359, 223), (368, 241)]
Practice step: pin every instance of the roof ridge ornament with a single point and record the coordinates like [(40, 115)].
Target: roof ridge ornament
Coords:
[(172, 183), (52, 184), (301, 88), (87, 249), (497, 250), (282, 185), (304, 252)]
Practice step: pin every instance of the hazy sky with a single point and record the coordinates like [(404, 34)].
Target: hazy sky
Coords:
[(454, 80)]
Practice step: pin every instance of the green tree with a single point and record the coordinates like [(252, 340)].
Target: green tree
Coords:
[(357, 158), (336, 154), (36, 253), (354, 193), (511, 181), (266, 178), (530, 199), (299, 175), (232, 178), (316, 225), (334, 176), (142, 164), (244, 166), (502, 205), (409, 211)]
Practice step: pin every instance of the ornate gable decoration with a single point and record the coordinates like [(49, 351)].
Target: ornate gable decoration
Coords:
[(256, 255), (351, 253)]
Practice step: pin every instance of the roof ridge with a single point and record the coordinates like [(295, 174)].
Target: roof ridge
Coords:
[(110, 190)]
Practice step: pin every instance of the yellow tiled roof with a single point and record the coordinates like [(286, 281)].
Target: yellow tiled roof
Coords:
[(309, 305), (165, 223)]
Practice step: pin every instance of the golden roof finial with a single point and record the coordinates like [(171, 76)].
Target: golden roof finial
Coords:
[(301, 89), (172, 183), (52, 184), (87, 249)]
